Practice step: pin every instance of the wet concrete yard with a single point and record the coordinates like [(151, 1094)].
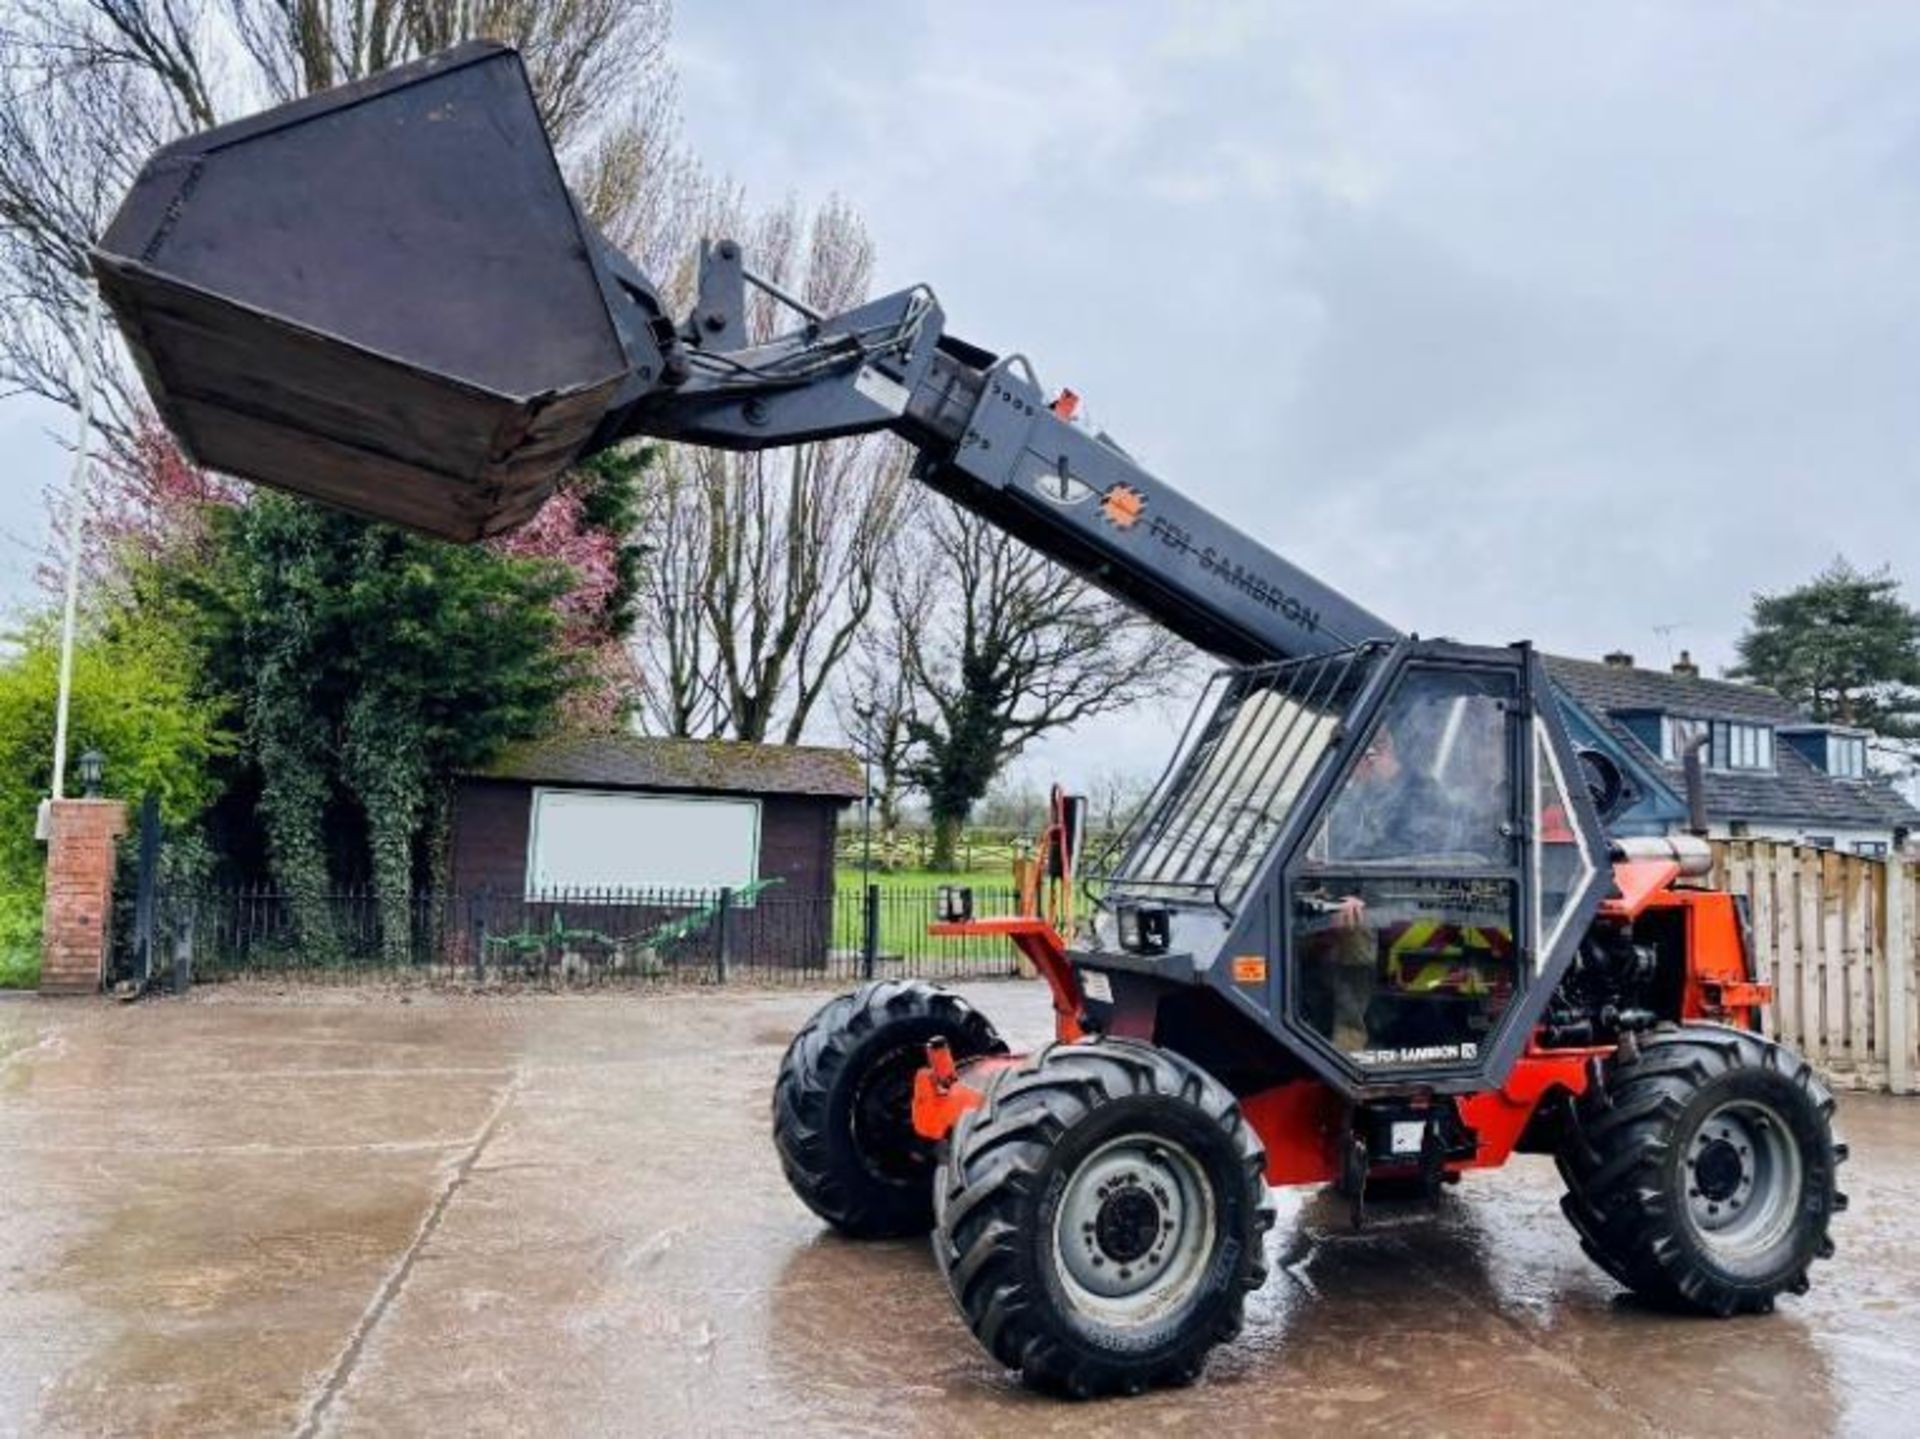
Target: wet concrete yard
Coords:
[(339, 1213)]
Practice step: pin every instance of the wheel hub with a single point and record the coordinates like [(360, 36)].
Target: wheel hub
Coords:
[(1128, 1223), (1133, 1231), (882, 1119), (1719, 1171), (1744, 1180)]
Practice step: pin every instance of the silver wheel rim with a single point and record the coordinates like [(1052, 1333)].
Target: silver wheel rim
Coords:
[(1744, 1180), (1134, 1231)]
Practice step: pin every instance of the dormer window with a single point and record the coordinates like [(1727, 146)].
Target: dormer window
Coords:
[(1676, 734), (1840, 753), (1735, 745), (1846, 756), (1742, 746)]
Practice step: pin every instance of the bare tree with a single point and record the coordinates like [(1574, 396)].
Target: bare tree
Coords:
[(1010, 647), (878, 703), (682, 692), (786, 546), (1114, 796), (94, 86)]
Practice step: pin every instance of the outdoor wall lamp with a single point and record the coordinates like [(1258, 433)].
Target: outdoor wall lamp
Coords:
[(92, 765)]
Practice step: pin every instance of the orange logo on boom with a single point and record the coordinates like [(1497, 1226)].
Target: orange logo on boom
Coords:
[(1122, 506)]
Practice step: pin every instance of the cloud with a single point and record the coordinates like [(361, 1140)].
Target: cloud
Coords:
[(1514, 321), (1511, 320)]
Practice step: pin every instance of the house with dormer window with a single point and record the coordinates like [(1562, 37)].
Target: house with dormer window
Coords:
[(1767, 770)]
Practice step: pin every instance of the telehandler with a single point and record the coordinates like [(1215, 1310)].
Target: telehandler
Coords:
[(1370, 928)]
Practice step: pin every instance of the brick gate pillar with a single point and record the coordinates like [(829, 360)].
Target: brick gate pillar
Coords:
[(80, 862)]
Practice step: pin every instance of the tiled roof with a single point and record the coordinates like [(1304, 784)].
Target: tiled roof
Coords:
[(1793, 792), (1620, 690), (644, 762)]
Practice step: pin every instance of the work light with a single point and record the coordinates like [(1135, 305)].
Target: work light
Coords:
[(1144, 928)]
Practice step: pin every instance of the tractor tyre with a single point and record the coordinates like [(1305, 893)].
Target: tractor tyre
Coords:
[(1102, 1218), (843, 1104), (1700, 1166)]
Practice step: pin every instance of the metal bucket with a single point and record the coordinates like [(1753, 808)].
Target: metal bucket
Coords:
[(381, 297)]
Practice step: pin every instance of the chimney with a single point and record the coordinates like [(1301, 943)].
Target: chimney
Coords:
[(1617, 660), (1685, 667)]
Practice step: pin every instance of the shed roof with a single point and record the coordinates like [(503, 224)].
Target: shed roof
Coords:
[(715, 766), (1794, 791)]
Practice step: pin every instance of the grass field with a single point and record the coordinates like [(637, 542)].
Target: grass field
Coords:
[(909, 901), (851, 880)]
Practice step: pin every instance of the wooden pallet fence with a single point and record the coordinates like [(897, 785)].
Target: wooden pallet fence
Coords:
[(1835, 935)]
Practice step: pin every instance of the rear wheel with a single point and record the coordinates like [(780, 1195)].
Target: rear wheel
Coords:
[(843, 1104), (1700, 1169), (1102, 1218)]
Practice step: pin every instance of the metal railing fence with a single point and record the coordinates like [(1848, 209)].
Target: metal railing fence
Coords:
[(758, 934)]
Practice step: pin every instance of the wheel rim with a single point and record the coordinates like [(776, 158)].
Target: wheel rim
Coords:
[(882, 1118), (1134, 1231), (1744, 1180)]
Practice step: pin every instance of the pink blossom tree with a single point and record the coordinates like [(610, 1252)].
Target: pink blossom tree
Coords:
[(149, 505)]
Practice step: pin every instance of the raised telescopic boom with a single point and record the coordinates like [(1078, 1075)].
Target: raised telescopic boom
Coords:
[(383, 298)]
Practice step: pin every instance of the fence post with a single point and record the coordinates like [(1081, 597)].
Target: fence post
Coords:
[(145, 896), (720, 935), (479, 917), (870, 932), (183, 955), (1899, 959)]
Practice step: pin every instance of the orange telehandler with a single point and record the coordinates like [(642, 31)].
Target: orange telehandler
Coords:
[(1371, 927)]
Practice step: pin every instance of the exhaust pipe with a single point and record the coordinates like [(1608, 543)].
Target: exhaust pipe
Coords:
[(382, 297), (1692, 853), (1695, 779)]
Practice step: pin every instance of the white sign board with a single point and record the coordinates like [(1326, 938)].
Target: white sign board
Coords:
[(588, 839)]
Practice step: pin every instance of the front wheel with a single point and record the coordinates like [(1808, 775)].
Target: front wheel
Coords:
[(1700, 1169), (1102, 1217), (843, 1104)]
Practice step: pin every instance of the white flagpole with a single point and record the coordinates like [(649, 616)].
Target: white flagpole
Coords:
[(76, 521)]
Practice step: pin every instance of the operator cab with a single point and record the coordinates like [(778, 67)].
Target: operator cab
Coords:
[(1374, 854)]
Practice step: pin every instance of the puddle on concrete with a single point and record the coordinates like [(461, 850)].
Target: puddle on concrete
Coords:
[(626, 1258)]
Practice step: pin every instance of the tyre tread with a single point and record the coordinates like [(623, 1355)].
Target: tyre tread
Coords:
[(995, 1163), (803, 1099), (1620, 1135)]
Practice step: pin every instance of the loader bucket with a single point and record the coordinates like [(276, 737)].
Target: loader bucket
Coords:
[(381, 297)]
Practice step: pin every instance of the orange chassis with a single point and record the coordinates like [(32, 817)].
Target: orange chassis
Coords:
[(1301, 1121)]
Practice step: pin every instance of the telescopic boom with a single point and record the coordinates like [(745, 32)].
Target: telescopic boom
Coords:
[(384, 298)]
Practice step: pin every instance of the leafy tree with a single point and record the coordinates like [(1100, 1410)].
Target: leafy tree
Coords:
[(587, 530), (1844, 646), (365, 665), (152, 507), (135, 699), (1006, 646)]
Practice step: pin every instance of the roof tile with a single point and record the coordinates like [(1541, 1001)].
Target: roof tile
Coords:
[(648, 762), (1793, 791)]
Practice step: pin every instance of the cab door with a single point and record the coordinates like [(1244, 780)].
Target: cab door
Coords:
[(1430, 900)]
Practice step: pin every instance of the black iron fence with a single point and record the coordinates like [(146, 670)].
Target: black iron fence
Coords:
[(754, 935)]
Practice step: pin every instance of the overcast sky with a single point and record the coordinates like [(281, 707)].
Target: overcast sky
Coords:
[(1556, 322)]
